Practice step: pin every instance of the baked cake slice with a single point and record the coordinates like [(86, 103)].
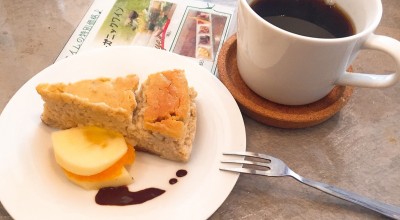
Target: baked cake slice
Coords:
[(103, 102), (164, 122), (161, 119)]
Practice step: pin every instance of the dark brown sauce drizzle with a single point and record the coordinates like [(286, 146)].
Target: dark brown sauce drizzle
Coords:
[(181, 173), (172, 181), (122, 196)]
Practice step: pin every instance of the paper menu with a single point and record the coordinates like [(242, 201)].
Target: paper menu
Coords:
[(194, 29)]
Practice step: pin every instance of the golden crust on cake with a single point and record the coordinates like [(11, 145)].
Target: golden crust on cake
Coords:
[(164, 122), (167, 97), (102, 102)]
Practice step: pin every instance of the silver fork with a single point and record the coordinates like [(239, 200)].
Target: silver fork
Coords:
[(276, 167)]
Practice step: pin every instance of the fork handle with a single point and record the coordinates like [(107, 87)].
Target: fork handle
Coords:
[(385, 209)]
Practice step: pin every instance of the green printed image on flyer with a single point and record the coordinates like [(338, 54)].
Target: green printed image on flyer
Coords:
[(136, 22)]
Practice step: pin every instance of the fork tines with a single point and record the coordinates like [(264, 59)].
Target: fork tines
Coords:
[(264, 165), (250, 154)]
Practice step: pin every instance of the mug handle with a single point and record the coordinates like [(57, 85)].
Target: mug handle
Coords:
[(380, 43)]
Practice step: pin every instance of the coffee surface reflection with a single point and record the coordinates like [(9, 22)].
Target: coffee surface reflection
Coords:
[(311, 18)]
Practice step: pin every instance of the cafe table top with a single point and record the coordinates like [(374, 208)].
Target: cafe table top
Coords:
[(358, 149)]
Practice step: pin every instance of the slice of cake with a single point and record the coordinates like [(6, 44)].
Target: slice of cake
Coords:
[(103, 102), (164, 122), (161, 122)]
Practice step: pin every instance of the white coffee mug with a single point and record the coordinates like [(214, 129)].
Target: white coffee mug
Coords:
[(291, 69)]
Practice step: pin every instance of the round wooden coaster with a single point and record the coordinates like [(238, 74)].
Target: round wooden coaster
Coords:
[(270, 113)]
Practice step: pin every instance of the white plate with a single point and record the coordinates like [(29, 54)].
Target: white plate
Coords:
[(32, 186)]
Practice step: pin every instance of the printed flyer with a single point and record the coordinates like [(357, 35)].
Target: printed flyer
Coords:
[(190, 28)]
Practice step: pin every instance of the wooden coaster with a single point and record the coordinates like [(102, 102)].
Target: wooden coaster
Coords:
[(270, 113)]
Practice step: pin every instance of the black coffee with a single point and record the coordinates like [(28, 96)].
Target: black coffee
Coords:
[(312, 18)]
